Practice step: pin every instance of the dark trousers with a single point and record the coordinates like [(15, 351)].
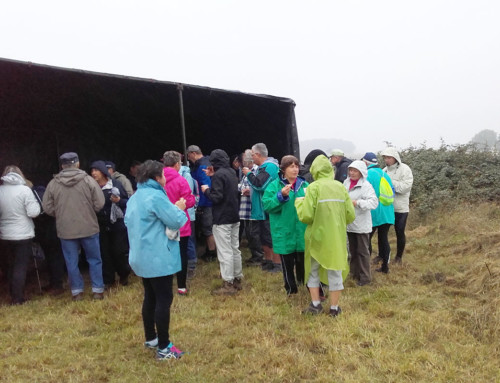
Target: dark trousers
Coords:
[(384, 248), (18, 254), (293, 271), (114, 254), (400, 226), (252, 232), (46, 235), (156, 308), (360, 256), (182, 275)]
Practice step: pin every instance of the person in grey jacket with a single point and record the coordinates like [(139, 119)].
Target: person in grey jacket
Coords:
[(74, 198), (364, 200), (402, 180), (17, 208)]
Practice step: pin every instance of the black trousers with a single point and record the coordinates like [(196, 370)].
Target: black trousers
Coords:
[(252, 232), (114, 253), (156, 308), (182, 275), (400, 226), (293, 271), (384, 248), (17, 254), (360, 256)]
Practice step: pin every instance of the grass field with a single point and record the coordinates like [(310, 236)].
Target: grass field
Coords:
[(436, 318)]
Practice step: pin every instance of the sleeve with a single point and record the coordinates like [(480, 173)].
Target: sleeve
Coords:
[(203, 179), (405, 183), (350, 214), (171, 216), (186, 193), (123, 194), (31, 204), (215, 192), (260, 181), (306, 207), (97, 194), (271, 198), (48, 201), (369, 201)]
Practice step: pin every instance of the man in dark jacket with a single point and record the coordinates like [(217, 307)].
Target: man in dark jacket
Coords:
[(341, 164), (226, 220)]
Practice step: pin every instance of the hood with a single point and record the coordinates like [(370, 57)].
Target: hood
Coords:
[(271, 160), (101, 166), (184, 170), (170, 174), (391, 152), (13, 178), (219, 159), (361, 166), (312, 156), (321, 168), (70, 177)]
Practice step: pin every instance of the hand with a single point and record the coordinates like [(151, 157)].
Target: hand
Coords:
[(209, 171), (354, 202), (245, 191), (245, 170), (114, 198), (181, 204), (285, 192), (204, 187)]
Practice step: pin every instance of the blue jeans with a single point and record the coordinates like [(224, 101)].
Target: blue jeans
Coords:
[(70, 248)]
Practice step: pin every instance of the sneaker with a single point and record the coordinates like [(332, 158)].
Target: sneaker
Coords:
[(182, 291), (78, 297), (226, 289), (152, 344), (333, 313), (267, 266), (98, 296), (170, 352), (313, 310), (237, 284)]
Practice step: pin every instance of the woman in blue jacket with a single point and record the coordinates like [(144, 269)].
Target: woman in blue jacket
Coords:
[(154, 256)]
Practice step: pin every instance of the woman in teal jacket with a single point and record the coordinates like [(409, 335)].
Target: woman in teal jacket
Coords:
[(286, 230), (154, 256)]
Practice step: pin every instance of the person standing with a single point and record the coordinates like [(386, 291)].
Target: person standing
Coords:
[(18, 207), (341, 163), (267, 172), (364, 199), (73, 198), (286, 229), (122, 178), (402, 180), (153, 255), (225, 207), (383, 215), (326, 209)]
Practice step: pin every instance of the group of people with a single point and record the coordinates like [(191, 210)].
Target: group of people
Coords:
[(299, 220)]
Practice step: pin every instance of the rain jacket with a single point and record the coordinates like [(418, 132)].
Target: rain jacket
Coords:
[(382, 214), (199, 175), (224, 192), (265, 174), (366, 200), (177, 187), (286, 230), (193, 185), (18, 206), (73, 197), (149, 213), (402, 180), (326, 209)]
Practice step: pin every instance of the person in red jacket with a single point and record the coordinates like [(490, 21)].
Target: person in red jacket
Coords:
[(177, 187)]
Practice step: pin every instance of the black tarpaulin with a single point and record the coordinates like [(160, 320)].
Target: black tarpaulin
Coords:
[(46, 111)]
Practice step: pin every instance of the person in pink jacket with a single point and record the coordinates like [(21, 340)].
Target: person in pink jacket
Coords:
[(177, 187)]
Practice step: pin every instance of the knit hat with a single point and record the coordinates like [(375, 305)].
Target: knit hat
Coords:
[(370, 157), (101, 166), (337, 152), (68, 158)]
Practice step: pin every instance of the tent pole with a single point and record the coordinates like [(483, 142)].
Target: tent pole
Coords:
[(180, 88)]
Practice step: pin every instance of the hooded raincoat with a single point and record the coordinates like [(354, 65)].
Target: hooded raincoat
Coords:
[(382, 214), (286, 230), (366, 200), (402, 180), (326, 209), (265, 174)]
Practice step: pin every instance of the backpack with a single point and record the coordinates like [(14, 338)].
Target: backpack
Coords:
[(386, 193)]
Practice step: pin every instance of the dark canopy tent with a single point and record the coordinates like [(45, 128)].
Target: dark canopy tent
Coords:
[(46, 111)]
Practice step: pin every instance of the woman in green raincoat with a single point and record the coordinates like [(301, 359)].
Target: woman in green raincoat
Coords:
[(326, 209)]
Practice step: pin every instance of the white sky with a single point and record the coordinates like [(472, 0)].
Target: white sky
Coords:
[(409, 72)]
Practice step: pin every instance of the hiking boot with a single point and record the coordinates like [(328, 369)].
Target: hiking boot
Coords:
[(333, 313), (170, 352), (277, 268), (377, 260), (227, 288), (267, 266), (237, 284), (254, 261), (78, 297), (182, 292), (98, 296), (398, 259), (313, 310), (152, 344), (124, 280)]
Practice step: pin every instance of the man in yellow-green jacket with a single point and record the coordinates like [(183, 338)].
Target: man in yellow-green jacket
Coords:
[(326, 209)]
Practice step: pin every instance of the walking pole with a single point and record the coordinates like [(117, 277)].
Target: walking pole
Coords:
[(38, 275)]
